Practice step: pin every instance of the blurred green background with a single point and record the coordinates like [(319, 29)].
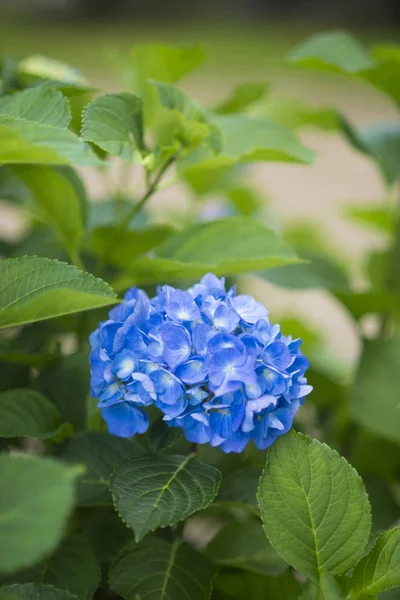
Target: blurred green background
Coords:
[(245, 41)]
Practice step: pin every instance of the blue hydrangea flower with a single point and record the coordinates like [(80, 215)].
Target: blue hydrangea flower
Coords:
[(208, 359)]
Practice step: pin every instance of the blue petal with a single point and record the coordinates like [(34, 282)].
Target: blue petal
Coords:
[(224, 318), (277, 355), (196, 395), (202, 333), (182, 307), (226, 341), (248, 309), (177, 343), (125, 420), (275, 383), (193, 371), (124, 364), (236, 443), (168, 387), (111, 394)]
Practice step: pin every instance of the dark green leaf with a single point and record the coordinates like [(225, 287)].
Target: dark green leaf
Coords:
[(375, 398), (108, 535), (385, 512), (37, 496), (100, 453), (257, 587), (379, 571), (115, 123), (33, 289), (156, 491), (162, 437), (314, 507), (228, 246), (244, 546), (57, 201), (67, 385), (34, 591), (158, 570), (25, 412), (242, 96), (240, 486)]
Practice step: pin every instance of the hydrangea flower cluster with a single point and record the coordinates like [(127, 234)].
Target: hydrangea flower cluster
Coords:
[(207, 358)]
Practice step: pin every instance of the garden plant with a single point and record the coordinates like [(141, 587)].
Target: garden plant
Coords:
[(147, 443)]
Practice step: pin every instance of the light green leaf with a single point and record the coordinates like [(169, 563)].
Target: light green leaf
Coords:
[(380, 142), (67, 385), (56, 199), (35, 591), (121, 247), (332, 51), (237, 586), (174, 99), (100, 453), (26, 142), (248, 139), (156, 491), (227, 246), (376, 216), (243, 95), (33, 289), (40, 104), (379, 571), (244, 546), (115, 123), (319, 272), (375, 402), (25, 412), (314, 507), (294, 114), (159, 570), (165, 63), (385, 76), (42, 67), (32, 524)]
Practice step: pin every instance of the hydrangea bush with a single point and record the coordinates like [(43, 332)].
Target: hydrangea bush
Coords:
[(158, 437)]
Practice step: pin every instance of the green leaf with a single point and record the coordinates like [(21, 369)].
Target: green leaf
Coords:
[(385, 511), (25, 412), (165, 63), (120, 247), (41, 67), (314, 507), (381, 142), (33, 289), (224, 247), (330, 587), (375, 399), (248, 139), (159, 570), (379, 571), (174, 99), (240, 486), (294, 114), (56, 199), (319, 272), (332, 51), (34, 591), (108, 535), (156, 491), (376, 216), (244, 546), (37, 496), (238, 586), (73, 567), (66, 384), (162, 437), (43, 105), (32, 143), (100, 453), (115, 123), (243, 95)]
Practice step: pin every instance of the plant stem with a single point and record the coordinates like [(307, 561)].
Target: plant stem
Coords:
[(150, 191)]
